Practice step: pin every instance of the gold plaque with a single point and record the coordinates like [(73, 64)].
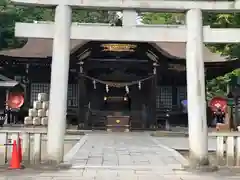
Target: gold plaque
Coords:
[(118, 121), (119, 47)]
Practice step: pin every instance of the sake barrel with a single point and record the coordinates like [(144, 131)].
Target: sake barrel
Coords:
[(32, 112), (37, 104), (41, 113), (42, 97), (28, 120), (36, 121), (44, 121), (45, 105), (47, 113)]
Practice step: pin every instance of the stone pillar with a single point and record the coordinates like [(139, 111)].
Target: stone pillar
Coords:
[(197, 121), (129, 18), (59, 83), (153, 96), (82, 102)]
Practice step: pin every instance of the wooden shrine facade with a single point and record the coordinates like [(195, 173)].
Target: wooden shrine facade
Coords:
[(151, 77)]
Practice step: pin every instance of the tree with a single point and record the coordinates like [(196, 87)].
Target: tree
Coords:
[(83, 16), (218, 86), (163, 18)]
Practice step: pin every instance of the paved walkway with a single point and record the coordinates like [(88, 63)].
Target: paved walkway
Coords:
[(76, 174), (123, 155), (124, 150), (108, 174)]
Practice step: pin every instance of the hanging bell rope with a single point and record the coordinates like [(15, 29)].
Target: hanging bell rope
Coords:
[(117, 84)]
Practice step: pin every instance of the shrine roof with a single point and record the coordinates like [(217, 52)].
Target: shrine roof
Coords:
[(42, 48)]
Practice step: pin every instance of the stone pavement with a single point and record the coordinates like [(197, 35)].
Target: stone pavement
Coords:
[(108, 174), (119, 156), (124, 156), (124, 150), (181, 143)]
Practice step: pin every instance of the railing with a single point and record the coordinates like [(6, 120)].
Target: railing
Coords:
[(227, 148), (33, 141)]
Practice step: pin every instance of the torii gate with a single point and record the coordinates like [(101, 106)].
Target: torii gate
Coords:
[(61, 31)]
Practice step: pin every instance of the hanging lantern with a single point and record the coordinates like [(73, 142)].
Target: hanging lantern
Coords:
[(218, 103), (127, 89), (15, 100), (139, 85), (107, 89), (94, 84)]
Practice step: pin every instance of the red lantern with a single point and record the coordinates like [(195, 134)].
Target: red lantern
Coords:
[(218, 103), (15, 100)]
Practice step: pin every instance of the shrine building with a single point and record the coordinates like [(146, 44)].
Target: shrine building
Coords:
[(144, 81)]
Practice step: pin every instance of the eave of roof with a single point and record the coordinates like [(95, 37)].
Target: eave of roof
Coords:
[(42, 48)]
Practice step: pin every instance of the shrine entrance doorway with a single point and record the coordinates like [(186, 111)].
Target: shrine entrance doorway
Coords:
[(117, 102), (118, 99), (118, 78)]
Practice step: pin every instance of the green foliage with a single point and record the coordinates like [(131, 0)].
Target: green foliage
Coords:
[(163, 18), (224, 21), (84, 16), (9, 14), (219, 85)]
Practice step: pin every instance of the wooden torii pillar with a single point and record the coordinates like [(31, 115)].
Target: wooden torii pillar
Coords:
[(61, 31)]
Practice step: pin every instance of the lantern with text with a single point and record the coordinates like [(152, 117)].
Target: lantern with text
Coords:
[(15, 100), (218, 103)]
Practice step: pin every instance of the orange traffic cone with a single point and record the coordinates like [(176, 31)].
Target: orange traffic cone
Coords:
[(15, 163), (20, 149)]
